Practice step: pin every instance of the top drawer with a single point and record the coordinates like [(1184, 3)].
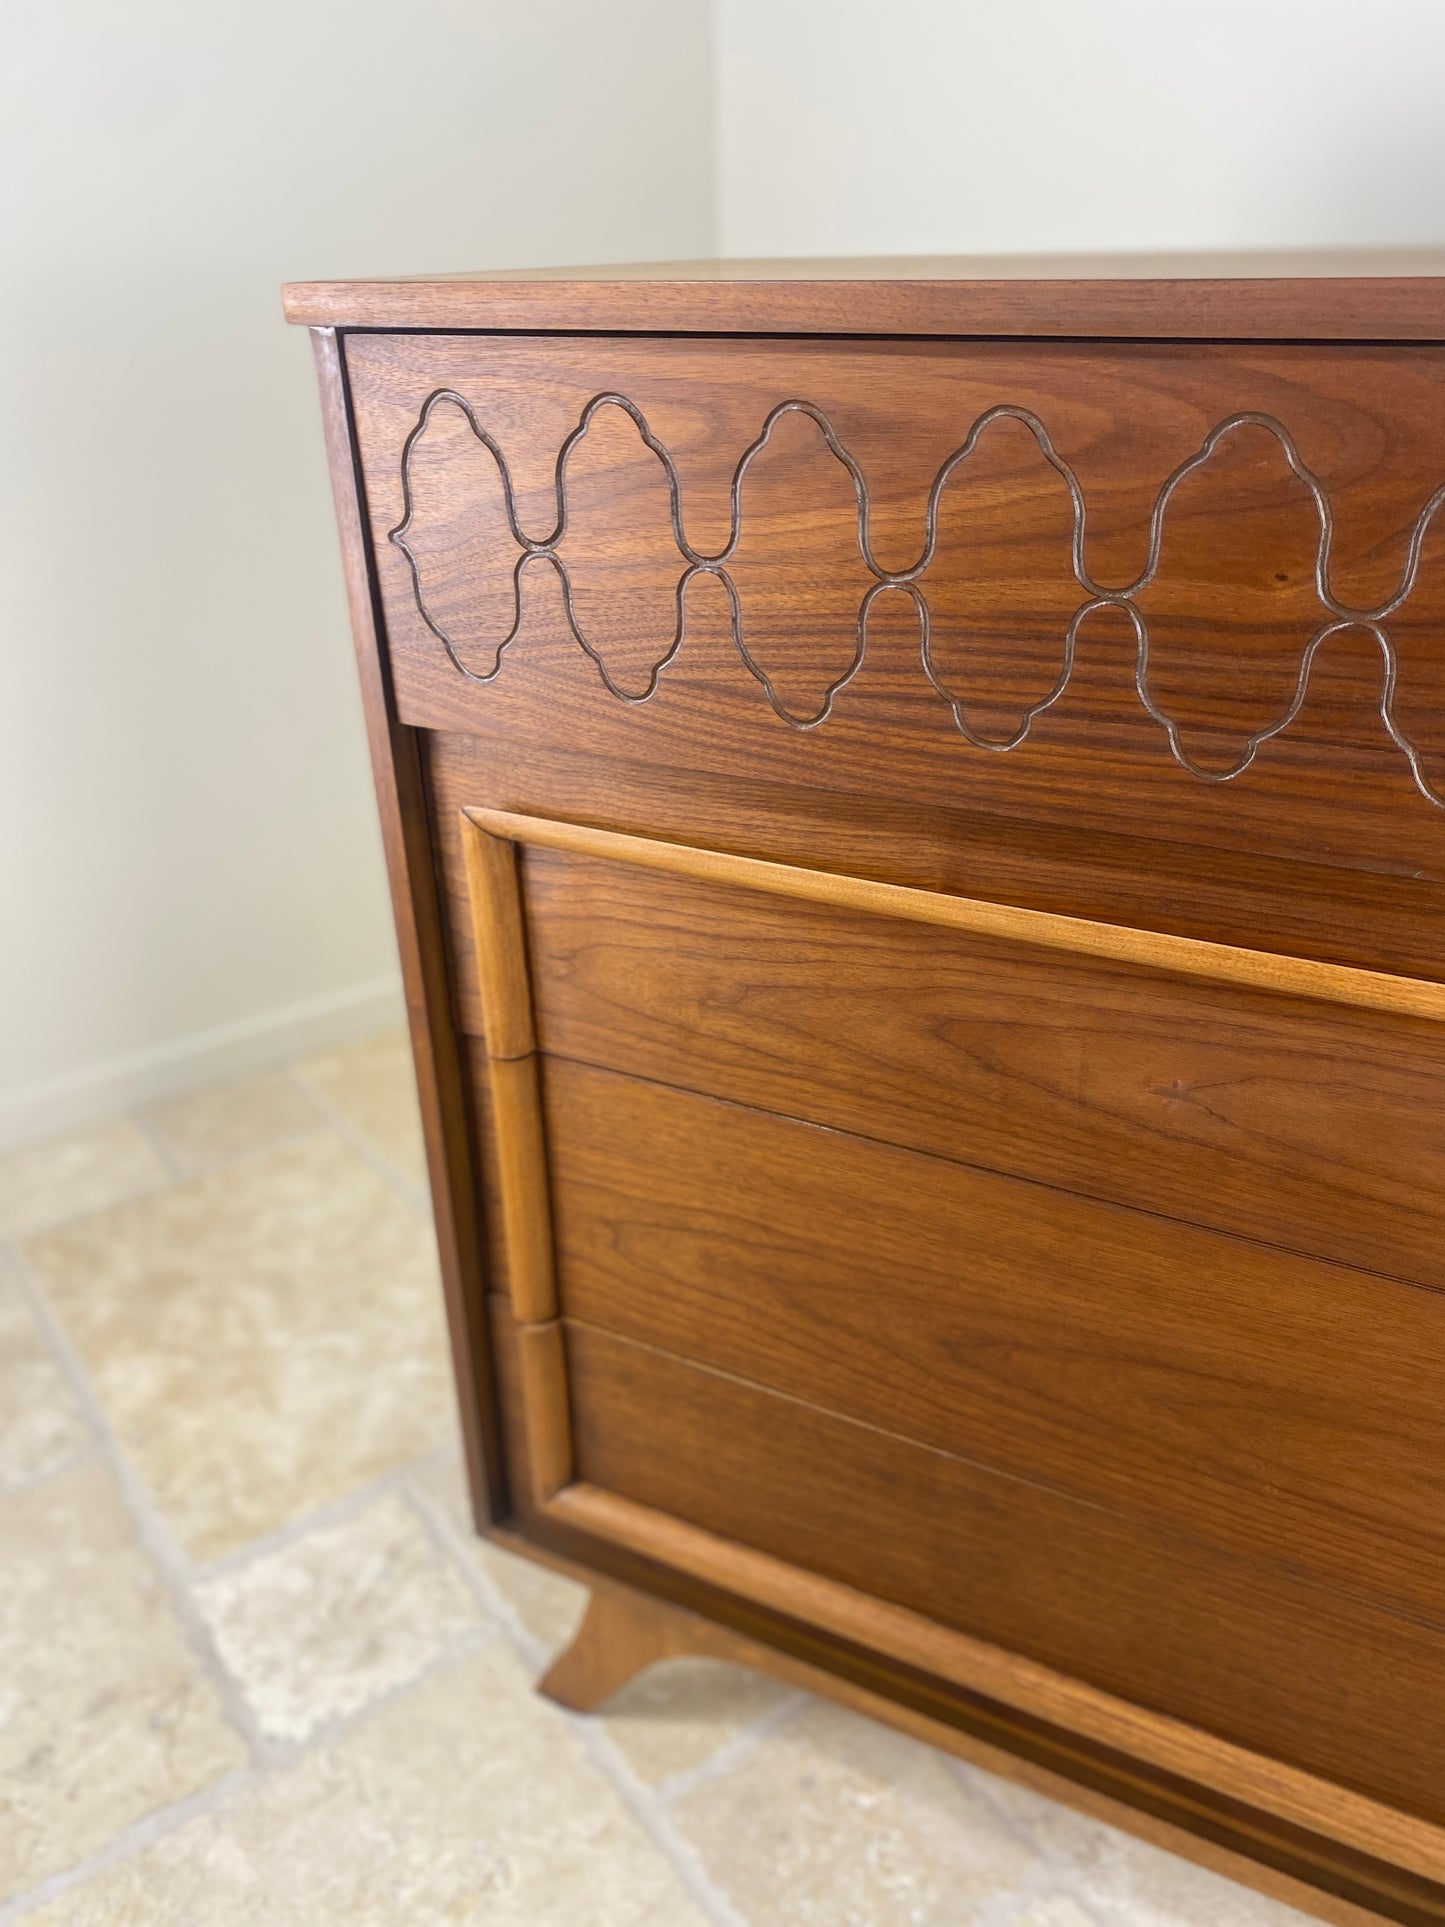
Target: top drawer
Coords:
[(1192, 593)]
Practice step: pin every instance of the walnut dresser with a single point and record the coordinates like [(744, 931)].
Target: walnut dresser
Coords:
[(915, 797)]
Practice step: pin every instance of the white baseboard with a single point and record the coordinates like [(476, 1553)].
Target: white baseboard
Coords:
[(36, 1111)]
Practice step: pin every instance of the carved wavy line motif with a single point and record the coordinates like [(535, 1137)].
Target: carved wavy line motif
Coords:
[(545, 549)]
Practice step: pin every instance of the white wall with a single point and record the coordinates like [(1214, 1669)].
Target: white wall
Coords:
[(189, 872), (1011, 126)]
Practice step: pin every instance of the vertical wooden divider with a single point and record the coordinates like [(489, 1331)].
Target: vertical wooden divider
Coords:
[(499, 933)]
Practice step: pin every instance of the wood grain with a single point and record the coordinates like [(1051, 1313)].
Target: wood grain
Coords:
[(1232, 599), (1243, 1649), (1370, 920), (1374, 294), (500, 947), (1186, 1473), (1296, 1122), (1056, 1733), (521, 1151), (1190, 1758), (1266, 1404), (544, 1407), (1118, 943), (625, 1630)]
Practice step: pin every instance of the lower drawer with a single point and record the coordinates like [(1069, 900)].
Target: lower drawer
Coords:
[(1246, 1650), (1267, 1404)]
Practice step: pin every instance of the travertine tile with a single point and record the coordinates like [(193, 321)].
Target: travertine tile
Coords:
[(105, 1713), (82, 1172), (1053, 1910), (834, 1821), (679, 1713), (264, 1338), (464, 1800), (40, 1427), (320, 1628), (547, 1605), (373, 1085), (228, 1120), (1126, 1881)]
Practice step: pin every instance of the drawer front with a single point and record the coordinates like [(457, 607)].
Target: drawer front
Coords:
[(1249, 1651), (1074, 1287), (1270, 1407), (1298, 1123), (1188, 592)]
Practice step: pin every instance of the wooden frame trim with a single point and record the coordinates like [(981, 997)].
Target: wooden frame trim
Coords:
[(500, 938), (499, 933), (1171, 1746), (712, 1637), (1114, 942), (1288, 1792), (511, 1045)]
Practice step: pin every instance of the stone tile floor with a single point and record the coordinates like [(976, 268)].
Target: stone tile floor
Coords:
[(254, 1668)]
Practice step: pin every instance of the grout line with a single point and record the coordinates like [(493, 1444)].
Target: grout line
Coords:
[(1056, 1863), (978, 1780), (723, 1758), (179, 1170), (17, 1488), (132, 1194), (643, 1802), (654, 1819), (131, 1841), (1055, 1871), (287, 1754), (331, 1512), (185, 1168), (154, 1534), (176, 1175), (415, 1194), (459, 1549), (160, 1144), (177, 1572)]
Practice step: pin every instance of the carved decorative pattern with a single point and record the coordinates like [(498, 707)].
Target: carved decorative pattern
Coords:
[(1340, 615)]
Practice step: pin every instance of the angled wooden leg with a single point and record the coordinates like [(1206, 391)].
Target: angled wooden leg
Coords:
[(621, 1634)]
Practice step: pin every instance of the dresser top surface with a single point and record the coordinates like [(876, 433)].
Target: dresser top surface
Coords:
[(1322, 294)]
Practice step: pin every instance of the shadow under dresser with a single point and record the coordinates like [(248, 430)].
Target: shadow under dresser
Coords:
[(915, 801)]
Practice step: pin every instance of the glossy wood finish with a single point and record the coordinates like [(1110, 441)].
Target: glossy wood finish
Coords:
[(1371, 921), (1285, 1120), (1339, 295), (798, 663), (1011, 1564), (735, 1238), (1276, 1407), (1000, 1676), (906, 1251), (625, 1631), (1035, 929), (966, 1694)]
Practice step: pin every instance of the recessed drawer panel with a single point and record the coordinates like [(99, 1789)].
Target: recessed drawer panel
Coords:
[(1244, 1649), (1292, 1120), (1266, 1404)]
